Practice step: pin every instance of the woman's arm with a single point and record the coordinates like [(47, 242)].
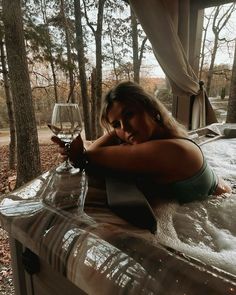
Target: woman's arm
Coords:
[(160, 157), (168, 159), (77, 145), (108, 139)]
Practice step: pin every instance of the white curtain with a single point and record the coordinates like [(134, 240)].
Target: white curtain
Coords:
[(169, 39)]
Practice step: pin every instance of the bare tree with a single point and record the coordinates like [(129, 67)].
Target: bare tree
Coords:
[(112, 46), (126, 38), (82, 72), (39, 38), (71, 95), (217, 26), (12, 145), (97, 32), (137, 53), (204, 39), (28, 157), (48, 45), (231, 112)]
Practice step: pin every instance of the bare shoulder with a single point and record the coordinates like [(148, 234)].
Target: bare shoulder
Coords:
[(190, 152), (175, 146), (178, 158)]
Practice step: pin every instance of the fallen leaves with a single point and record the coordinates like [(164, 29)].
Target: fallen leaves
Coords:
[(49, 158), (6, 283)]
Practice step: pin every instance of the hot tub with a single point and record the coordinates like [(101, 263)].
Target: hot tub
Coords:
[(58, 251)]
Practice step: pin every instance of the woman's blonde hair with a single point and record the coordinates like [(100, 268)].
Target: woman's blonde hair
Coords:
[(130, 92)]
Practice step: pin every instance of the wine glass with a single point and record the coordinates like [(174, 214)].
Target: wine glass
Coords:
[(66, 124), (67, 187)]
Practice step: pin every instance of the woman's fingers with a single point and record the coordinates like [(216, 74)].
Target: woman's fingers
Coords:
[(77, 145), (57, 140), (75, 151), (61, 147), (63, 151)]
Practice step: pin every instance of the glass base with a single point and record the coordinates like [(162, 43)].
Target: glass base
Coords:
[(66, 167), (66, 190)]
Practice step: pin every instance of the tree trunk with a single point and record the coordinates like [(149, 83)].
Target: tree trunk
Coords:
[(231, 112), (134, 27), (211, 68), (82, 72), (113, 53), (203, 47), (12, 145), (71, 96), (98, 41), (93, 103), (49, 49), (218, 24), (28, 157), (98, 44), (54, 78)]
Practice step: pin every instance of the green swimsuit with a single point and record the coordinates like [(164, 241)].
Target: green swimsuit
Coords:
[(197, 187)]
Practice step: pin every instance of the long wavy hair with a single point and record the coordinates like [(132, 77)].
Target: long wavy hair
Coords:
[(132, 93)]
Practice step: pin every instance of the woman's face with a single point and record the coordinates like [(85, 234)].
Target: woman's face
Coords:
[(131, 123)]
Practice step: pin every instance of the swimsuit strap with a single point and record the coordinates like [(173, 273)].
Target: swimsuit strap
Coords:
[(189, 139)]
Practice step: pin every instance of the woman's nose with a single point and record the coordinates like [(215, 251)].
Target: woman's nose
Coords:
[(123, 125)]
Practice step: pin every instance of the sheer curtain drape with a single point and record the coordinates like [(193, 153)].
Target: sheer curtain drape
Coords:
[(170, 41)]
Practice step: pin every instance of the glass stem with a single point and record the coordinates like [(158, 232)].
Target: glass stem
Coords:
[(67, 163)]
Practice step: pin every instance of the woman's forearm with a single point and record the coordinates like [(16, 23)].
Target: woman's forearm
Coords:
[(157, 156), (107, 139), (125, 158)]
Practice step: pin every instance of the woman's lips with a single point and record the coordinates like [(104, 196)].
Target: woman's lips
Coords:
[(131, 137)]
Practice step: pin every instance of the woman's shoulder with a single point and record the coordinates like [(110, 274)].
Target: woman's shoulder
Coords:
[(179, 158), (179, 150), (178, 143), (187, 147)]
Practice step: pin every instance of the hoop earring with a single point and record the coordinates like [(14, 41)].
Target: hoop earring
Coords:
[(158, 118)]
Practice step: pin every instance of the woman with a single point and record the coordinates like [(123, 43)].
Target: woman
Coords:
[(145, 141)]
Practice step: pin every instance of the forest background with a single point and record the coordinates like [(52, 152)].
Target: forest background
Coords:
[(74, 51)]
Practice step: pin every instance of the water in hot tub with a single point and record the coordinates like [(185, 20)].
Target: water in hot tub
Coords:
[(206, 230)]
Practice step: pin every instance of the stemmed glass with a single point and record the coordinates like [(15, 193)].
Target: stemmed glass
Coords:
[(66, 124), (67, 186)]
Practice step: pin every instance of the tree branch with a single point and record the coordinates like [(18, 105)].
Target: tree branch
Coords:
[(87, 19)]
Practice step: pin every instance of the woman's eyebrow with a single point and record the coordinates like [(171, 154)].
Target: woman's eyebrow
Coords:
[(125, 110), (112, 122)]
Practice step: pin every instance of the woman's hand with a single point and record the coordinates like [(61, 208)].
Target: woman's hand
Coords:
[(222, 188), (75, 152)]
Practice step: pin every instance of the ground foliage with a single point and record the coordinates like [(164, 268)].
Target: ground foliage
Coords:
[(49, 158)]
